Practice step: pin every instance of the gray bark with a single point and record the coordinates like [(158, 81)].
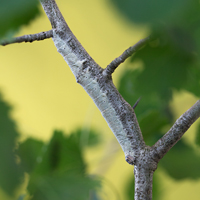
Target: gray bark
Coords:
[(29, 38), (119, 115)]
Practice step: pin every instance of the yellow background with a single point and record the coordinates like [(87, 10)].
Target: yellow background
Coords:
[(37, 82)]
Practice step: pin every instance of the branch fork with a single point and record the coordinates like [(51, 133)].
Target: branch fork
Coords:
[(119, 115)]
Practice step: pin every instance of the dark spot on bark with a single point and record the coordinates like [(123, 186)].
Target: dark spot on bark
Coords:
[(71, 43)]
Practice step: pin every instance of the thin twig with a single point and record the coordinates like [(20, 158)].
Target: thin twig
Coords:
[(29, 38), (127, 53), (136, 103), (177, 130)]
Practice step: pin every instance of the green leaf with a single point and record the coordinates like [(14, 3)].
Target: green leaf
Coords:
[(10, 173), (129, 188), (166, 66), (61, 171), (14, 14), (87, 137), (172, 61), (63, 153), (131, 91), (30, 152), (22, 197), (197, 141), (151, 125), (152, 111), (33, 151), (157, 12), (64, 186), (193, 82), (182, 161), (157, 190), (168, 63)]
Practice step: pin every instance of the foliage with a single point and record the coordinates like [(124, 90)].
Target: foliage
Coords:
[(10, 173), (198, 135), (154, 13), (56, 169), (182, 162), (14, 14), (169, 63)]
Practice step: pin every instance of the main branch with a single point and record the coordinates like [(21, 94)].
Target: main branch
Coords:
[(117, 112), (119, 115)]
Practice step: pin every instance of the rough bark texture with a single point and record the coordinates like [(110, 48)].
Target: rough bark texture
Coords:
[(29, 38), (119, 115), (117, 112), (177, 130)]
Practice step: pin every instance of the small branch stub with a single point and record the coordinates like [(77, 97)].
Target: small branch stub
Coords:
[(126, 54), (29, 38), (136, 103)]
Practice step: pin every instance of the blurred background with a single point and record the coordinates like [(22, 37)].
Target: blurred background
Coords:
[(54, 143)]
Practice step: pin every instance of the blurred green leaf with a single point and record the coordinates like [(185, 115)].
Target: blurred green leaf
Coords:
[(167, 65), (33, 151), (158, 12), (151, 125), (129, 188), (14, 14), (157, 191), (87, 137), (64, 186), (193, 82), (30, 152), (152, 111), (151, 100), (63, 153), (170, 62), (197, 141), (130, 91), (94, 195), (57, 170), (10, 173), (22, 197), (182, 161)]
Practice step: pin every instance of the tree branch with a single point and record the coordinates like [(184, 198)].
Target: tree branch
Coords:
[(126, 54), (143, 183), (29, 38), (176, 132), (116, 111), (119, 115), (136, 103)]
